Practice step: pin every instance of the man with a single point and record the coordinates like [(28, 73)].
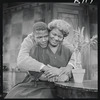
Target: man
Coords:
[(39, 36)]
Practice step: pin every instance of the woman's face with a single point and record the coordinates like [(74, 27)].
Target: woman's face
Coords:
[(55, 37)]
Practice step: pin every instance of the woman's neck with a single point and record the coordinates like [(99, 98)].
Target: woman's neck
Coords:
[(53, 49)]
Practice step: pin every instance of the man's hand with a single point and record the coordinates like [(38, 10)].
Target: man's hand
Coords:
[(45, 68), (52, 71), (66, 70)]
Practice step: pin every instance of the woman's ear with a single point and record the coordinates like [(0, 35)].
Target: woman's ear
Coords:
[(49, 30), (66, 34)]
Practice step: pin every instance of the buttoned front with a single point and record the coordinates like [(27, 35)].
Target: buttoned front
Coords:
[(46, 56)]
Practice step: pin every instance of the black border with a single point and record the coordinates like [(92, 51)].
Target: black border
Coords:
[(1, 32)]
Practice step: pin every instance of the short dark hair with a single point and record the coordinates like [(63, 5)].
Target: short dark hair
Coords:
[(39, 26)]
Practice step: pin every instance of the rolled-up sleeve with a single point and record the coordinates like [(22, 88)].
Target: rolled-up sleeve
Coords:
[(24, 60), (72, 60)]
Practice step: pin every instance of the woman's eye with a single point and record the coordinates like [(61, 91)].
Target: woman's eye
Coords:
[(60, 37), (54, 34)]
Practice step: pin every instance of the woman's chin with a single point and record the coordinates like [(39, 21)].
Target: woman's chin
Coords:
[(54, 45)]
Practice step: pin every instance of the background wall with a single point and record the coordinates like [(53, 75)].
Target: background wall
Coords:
[(90, 59), (18, 24), (93, 48)]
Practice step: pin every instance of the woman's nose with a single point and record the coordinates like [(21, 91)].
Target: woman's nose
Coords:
[(56, 37)]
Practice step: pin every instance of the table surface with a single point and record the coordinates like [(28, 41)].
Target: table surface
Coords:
[(88, 85)]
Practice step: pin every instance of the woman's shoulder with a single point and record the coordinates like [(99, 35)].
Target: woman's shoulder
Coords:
[(66, 51), (67, 48)]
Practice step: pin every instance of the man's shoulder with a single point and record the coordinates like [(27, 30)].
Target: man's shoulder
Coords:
[(30, 38)]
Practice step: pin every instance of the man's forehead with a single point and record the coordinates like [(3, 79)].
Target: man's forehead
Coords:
[(41, 33)]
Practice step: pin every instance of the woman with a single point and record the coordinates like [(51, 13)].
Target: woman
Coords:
[(58, 29), (55, 56)]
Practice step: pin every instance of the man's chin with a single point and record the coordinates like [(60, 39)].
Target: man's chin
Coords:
[(43, 46)]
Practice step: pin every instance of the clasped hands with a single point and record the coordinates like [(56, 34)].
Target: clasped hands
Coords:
[(56, 74)]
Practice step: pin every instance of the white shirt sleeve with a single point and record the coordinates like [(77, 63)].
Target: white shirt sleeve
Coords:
[(72, 60), (24, 60), (42, 66)]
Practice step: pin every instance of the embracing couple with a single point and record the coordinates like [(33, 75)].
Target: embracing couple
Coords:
[(46, 60)]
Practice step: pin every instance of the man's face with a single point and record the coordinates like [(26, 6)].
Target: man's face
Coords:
[(41, 38), (55, 37)]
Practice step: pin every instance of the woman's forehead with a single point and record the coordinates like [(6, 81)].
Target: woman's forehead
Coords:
[(57, 31)]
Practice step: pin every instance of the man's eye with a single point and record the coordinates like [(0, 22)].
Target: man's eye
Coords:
[(39, 37), (46, 36)]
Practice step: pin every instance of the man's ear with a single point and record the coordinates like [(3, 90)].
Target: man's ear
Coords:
[(33, 38)]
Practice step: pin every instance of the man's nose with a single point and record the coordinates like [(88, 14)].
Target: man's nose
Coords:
[(43, 39)]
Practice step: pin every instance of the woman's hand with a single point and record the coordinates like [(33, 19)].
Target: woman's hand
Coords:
[(53, 79), (63, 78)]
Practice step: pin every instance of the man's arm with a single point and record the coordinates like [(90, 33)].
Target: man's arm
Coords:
[(24, 61)]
